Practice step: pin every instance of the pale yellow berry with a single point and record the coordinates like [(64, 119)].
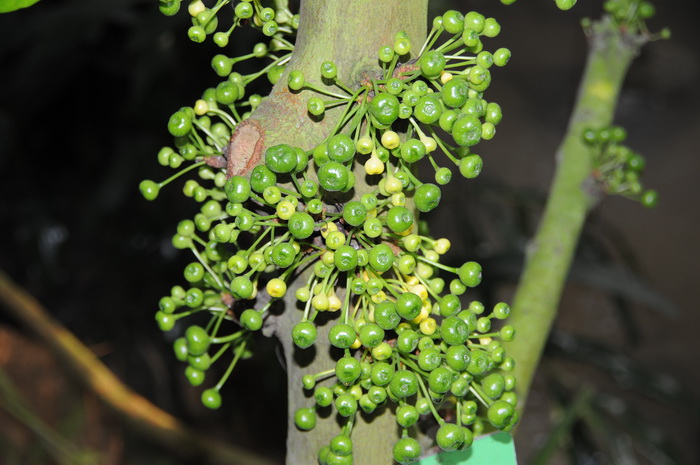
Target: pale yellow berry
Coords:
[(393, 185), (379, 297), (364, 145), (357, 344), (428, 326), (320, 302), (372, 213), (276, 288), (411, 229), (445, 77), (390, 140), (328, 258), (430, 144), (403, 326), (334, 303), (419, 290), (303, 294), (424, 270), (285, 210), (441, 246), (424, 313), (201, 107), (327, 228), (412, 280), (485, 340), (355, 391), (382, 351), (398, 200), (374, 165), (196, 8)]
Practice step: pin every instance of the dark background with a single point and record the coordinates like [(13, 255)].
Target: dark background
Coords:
[(86, 88)]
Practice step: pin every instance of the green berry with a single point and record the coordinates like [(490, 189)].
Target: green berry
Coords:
[(385, 315), (565, 4), (281, 158), (407, 451), (501, 414), (347, 370), (454, 331), (242, 287), (427, 197), (457, 357), (407, 415), (470, 274), (261, 178), (341, 148), (493, 385), (197, 340), (381, 257), (501, 57), (194, 376), (301, 225), (403, 384), (304, 334), (399, 219), (329, 70), (316, 106), (407, 341), (180, 124), (650, 198), (323, 396), (384, 108), (295, 80), (412, 150), (342, 336), (371, 335), (466, 131), (408, 305), (149, 189), (429, 359), (333, 176), (226, 93), (450, 437), (432, 63), (346, 405), (251, 320), (305, 418), (211, 399), (428, 109)]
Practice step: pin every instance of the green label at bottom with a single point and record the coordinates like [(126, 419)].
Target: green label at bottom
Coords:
[(494, 449)]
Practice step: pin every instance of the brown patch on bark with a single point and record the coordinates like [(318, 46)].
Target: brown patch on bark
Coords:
[(216, 161), (245, 148)]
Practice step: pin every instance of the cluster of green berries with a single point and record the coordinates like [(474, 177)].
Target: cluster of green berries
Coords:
[(616, 167), (205, 21), (401, 325), (439, 89), (631, 16), (561, 4)]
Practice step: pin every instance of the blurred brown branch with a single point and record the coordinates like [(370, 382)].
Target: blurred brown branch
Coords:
[(133, 408)]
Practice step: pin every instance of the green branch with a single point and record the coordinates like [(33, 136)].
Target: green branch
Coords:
[(572, 195)]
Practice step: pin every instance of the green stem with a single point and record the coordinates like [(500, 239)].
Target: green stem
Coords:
[(572, 195)]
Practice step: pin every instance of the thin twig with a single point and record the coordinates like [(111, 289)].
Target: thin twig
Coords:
[(135, 409)]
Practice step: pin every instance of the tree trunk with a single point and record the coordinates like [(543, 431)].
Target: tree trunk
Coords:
[(348, 33)]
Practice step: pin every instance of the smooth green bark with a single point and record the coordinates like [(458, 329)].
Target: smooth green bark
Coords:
[(572, 195)]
